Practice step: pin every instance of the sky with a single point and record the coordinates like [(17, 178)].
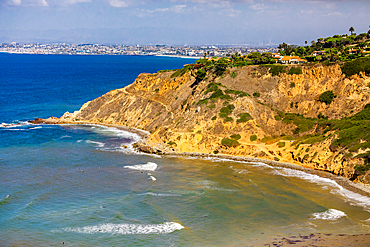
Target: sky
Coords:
[(180, 22)]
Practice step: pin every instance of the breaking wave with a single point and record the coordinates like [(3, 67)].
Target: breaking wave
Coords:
[(330, 214), (125, 229), (150, 166)]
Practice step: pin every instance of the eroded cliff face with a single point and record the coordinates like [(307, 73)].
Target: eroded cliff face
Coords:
[(183, 114)]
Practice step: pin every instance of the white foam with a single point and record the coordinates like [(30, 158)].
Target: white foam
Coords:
[(330, 214), (260, 164), (37, 127), (352, 197), (124, 229), (150, 166), (6, 125), (99, 144), (116, 132), (159, 194)]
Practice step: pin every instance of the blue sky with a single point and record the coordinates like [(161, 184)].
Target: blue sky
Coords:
[(179, 22)]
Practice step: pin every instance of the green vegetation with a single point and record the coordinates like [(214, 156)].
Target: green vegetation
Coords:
[(235, 136), (201, 74), (356, 66), (214, 118), (233, 74), (362, 169), (244, 117), (281, 144), (327, 97), (303, 124), (292, 84), (322, 116), (225, 112), (256, 94), (171, 143), (275, 70), (295, 71), (159, 113), (253, 138), (182, 71), (336, 48), (230, 142), (237, 93)]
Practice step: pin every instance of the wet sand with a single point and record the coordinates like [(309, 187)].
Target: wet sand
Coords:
[(360, 240)]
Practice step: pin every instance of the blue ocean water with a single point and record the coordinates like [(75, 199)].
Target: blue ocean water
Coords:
[(77, 185)]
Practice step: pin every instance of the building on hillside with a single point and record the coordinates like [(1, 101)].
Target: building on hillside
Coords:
[(291, 60), (276, 55), (317, 53), (354, 51)]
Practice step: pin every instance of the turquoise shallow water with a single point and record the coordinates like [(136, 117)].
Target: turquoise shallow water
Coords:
[(77, 185)]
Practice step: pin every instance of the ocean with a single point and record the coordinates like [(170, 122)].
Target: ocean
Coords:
[(77, 186)]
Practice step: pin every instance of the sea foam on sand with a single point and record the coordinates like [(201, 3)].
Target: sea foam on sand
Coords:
[(330, 214), (150, 166), (163, 228)]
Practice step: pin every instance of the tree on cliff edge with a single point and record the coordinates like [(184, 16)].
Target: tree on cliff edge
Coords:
[(351, 29)]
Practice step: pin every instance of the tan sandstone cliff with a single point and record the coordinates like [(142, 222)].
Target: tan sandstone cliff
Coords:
[(180, 119)]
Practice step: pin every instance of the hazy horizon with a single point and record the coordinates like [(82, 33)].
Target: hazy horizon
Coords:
[(179, 22)]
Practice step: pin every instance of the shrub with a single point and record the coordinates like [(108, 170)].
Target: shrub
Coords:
[(295, 71), (182, 71), (322, 116), (226, 110), (327, 97), (201, 74), (236, 92), (230, 142), (228, 119), (362, 115), (362, 169), (235, 136), (253, 138), (281, 144), (276, 69), (244, 117), (233, 74), (171, 143), (277, 117), (355, 66), (214, 118), (292, 84), (256, 94)]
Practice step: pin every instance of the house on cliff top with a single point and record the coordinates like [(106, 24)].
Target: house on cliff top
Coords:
[(291, 60)]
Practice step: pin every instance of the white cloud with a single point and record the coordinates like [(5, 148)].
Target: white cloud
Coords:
[(27, 2), (149, 12), (14, 2), (119, 3), (258, 6), (335, 14), (70, 2)]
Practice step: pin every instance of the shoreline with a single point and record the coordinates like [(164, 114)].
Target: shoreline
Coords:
[(358, 188), (314, 239)]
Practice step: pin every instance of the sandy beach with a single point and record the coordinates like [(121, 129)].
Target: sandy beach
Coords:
[(340, 240)]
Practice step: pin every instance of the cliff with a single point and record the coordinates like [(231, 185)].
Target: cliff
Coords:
[(246, 111)]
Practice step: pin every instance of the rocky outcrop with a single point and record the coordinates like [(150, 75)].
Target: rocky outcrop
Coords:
[(184, 114)]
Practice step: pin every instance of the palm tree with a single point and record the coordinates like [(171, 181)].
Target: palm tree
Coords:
[(351, 29)]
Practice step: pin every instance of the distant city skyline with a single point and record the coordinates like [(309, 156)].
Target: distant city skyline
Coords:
[(179, 22)]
